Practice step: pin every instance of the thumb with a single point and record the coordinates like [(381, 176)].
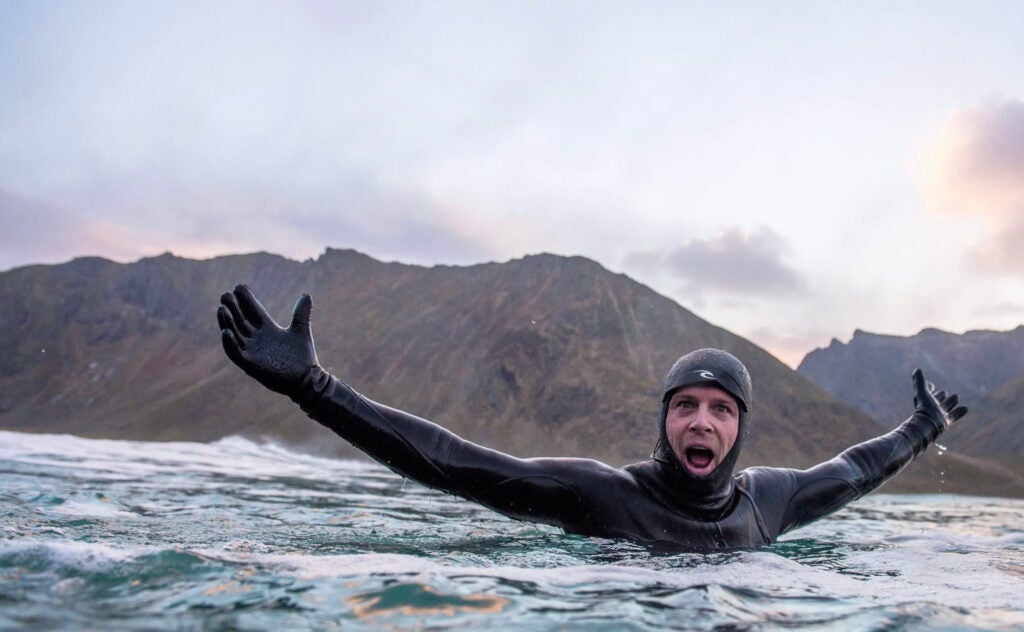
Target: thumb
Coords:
[(301, 314), (921, 392)]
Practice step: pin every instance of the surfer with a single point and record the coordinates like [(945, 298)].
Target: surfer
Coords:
[(685, 495)]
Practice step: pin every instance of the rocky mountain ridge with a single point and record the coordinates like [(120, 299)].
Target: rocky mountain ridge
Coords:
[(986, 368), (545, 355)]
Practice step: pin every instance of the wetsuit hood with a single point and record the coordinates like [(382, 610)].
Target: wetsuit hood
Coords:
[(709, 495)]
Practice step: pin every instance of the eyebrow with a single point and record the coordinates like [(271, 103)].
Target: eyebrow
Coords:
[(717, 400)]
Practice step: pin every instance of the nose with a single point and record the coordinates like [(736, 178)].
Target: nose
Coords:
[(700, 421)]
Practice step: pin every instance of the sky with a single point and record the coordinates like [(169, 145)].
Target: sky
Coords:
[(791, 171)]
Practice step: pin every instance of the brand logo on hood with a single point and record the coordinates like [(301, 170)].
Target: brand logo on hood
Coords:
[(707, 375)]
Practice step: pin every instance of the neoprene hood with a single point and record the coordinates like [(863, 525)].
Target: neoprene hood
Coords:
[(711, 366)]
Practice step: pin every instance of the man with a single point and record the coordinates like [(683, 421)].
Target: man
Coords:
[(685, 496)]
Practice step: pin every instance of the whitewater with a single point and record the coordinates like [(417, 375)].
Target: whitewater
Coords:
[(241, 535)]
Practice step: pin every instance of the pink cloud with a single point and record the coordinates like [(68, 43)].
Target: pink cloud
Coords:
[(977, 169), (36, 232)]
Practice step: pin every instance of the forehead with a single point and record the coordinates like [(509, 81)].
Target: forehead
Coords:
[(704, 391)]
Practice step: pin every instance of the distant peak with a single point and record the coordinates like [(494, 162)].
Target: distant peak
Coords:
[(90, 260), (347, 255), (342, 252), (550, 259), (860, 335)]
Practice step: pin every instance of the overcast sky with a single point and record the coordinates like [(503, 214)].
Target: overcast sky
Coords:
[(788, 170)]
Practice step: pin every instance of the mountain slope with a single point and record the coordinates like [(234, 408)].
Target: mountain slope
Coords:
[(544, 355), (986, 368)]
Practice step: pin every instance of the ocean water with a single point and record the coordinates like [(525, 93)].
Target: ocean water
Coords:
[(236, 535)]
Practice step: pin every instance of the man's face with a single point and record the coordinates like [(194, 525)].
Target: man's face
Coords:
[(701, 425)]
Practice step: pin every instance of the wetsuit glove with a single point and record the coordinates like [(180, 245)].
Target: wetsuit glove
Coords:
[(938, 409), (283, 360)]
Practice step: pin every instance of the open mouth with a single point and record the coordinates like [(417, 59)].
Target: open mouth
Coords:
[(699, 458)]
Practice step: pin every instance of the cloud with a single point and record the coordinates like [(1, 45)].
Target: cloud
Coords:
[(36, 232), (977, 169), (735, 262), (978, 160), (388, 224), (148, 216), (39, 232)]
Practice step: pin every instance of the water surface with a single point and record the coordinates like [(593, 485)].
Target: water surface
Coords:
[(120, 535)]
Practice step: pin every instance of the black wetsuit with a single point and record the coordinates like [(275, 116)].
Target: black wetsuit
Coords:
[(643, 502)]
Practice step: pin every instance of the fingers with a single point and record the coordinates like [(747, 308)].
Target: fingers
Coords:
[(239, 325), (957, 413), (233, 343), (228, 325), (949, 403), (251, 308), (953, 411), (301, 313), (231, 347), (241, 314)]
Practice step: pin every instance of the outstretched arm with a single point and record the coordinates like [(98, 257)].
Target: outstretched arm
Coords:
[(827, 487), (285, 361)]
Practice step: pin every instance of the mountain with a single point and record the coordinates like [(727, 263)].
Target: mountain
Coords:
[(544, 355), (986, 368), (1000, 431)]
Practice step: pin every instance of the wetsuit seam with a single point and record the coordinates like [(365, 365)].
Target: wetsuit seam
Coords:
[(794, 522), (758, 518)]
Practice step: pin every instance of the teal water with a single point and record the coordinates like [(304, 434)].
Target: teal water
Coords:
[(119, 535)]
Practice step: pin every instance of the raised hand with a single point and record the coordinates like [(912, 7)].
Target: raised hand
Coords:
[(277, 358), (940, 408)]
